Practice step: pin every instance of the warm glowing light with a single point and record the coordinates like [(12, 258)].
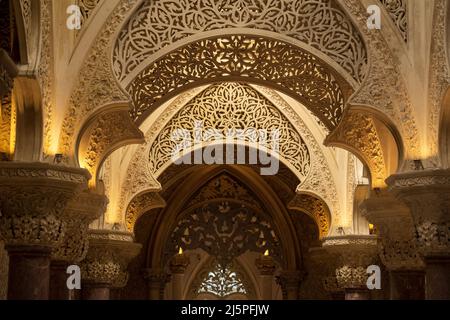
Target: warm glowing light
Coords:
[(180, 252), (267, 253), (371, 228)]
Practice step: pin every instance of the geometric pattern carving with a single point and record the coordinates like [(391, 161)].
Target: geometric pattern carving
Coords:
[(321, 24), (398, 11), (232, 106), (222, 282), (248, 58), (141, 204), (316, 209), (358, 131)]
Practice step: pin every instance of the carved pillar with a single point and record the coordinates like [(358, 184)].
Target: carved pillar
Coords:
[(178, 266), (427, 194), (266, 267), (396, 246), (106, 263), (32, 199), (290, 284), (157, 280), (80, 212), (354, 255)]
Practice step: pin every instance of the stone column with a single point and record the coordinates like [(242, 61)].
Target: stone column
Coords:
[(33, 197), (157, 280), (266, 267), (290, 284), (79, 214), (106, 262), (178, 266), (427, 194), (397, 246), (354, 255)]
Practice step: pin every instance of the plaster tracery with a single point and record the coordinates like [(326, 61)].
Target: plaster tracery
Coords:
[(364, 140), (232, 106), (226, 226), (397, 10), (247, 57), (320, 24), (222, 281), (385, 89), (315, 208)]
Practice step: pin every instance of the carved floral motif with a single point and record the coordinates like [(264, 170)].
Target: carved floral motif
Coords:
[(320, 24)]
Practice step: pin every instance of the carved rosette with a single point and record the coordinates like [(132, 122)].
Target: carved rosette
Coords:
[(354, 255), (427, 193), (80, 212), (33, 198), (108, 257)]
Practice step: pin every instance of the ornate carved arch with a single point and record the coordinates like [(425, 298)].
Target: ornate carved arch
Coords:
[(157, 24), (168, 219), (141, 204), (373, 138), (248, 58), (316, 209), (232, 106), (104, 132)]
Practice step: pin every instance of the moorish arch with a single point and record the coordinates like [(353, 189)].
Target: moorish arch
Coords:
[(175, 21), (327, 104), (216, 186), (224, 104)]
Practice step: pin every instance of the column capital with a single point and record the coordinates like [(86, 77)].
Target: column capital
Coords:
[(80, 212), (427, 193), (33, 198), (397, 244), (354, 255), (108, 257)]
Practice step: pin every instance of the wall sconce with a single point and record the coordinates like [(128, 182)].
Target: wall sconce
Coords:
[(58, 158), (418, 165)]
